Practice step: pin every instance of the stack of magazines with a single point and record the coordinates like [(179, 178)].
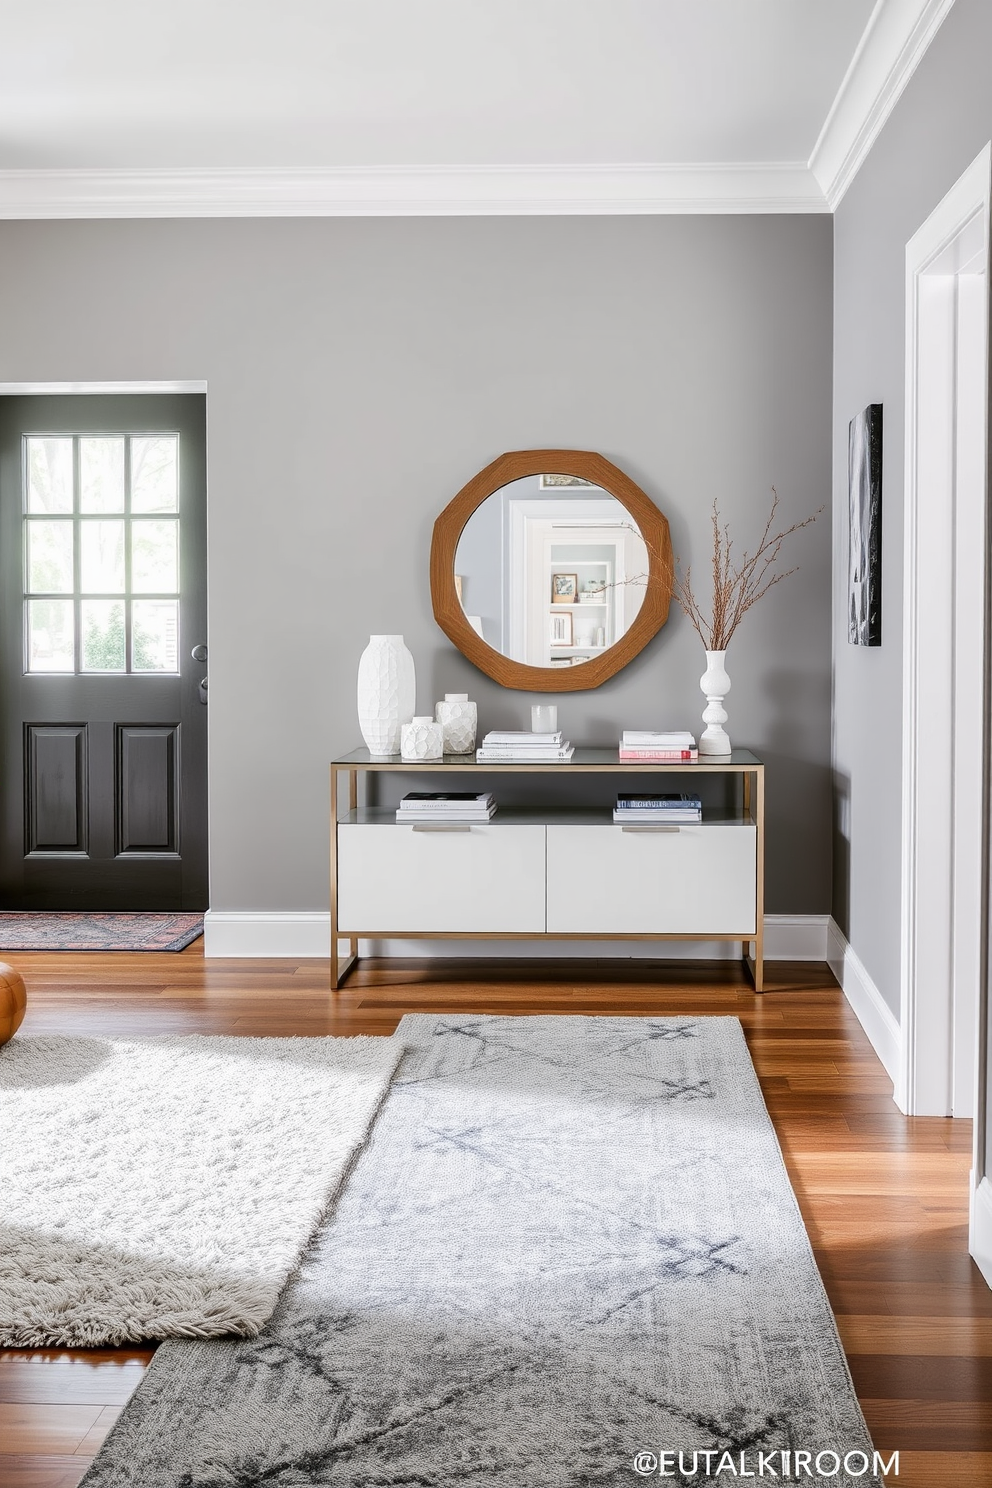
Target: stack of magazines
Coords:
[(522, 747), (643, 810), (446, 806), (641, 744)]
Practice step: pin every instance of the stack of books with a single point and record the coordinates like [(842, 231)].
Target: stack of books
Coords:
[(520, 747), (446, 806), (640, 744), (671, 807)]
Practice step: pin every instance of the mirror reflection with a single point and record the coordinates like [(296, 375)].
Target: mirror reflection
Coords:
[(551, 570)]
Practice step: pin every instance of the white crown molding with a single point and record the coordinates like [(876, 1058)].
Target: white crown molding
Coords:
[(892, 47), (415, 191)]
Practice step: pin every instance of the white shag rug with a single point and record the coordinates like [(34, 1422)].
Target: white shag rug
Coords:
[(165, 1187)]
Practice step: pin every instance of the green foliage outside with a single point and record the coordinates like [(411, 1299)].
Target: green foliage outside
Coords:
[(103, 649)]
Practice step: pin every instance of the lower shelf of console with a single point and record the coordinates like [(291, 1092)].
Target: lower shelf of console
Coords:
[(570, 875)]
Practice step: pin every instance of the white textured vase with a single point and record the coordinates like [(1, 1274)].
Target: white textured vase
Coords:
[(714, 684), (459, 720), (422, 739), (387, 692)]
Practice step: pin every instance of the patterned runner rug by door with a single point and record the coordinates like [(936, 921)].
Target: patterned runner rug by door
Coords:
[(569, 1248), (32, 930)]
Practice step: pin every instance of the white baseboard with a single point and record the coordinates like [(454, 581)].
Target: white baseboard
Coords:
[(980, 1228), (870, 1008), (283, 933), (796, 937), (248, 933)]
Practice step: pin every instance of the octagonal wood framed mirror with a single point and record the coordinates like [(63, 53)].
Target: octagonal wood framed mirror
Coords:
[(550, 570)]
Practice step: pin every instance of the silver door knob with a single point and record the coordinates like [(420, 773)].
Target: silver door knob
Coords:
[(199, 653)]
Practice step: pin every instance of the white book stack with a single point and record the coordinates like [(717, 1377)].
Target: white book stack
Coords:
[(446, 806), (519, 746)]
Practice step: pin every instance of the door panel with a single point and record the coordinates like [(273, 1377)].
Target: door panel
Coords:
[(103, 564), (55, 788), (147, 788)]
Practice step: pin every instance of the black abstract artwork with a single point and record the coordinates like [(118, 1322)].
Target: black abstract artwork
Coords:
[(864, 468)]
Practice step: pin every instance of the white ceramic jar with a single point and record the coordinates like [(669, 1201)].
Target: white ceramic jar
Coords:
[(422, 739), (459, 721)]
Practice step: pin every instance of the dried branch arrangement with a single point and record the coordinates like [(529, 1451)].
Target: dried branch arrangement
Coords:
[(737, 586)]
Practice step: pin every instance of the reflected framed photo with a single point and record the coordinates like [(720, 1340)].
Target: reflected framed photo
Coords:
[(864, 472), (561, 629), (558, 482), (564, 588)]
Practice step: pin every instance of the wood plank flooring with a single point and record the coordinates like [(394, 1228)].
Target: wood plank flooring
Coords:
[(884, 1196)]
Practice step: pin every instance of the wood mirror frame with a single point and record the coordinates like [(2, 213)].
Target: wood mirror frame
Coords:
[(588, 466)]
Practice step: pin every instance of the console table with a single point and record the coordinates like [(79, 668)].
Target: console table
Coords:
[(496, 880)]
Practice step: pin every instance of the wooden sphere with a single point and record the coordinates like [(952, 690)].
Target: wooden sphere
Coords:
[(13, 1001)]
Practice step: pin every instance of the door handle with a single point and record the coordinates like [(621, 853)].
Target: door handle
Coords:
[(199, 653)]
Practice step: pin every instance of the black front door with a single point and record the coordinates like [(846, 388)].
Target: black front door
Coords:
[(103, 763)]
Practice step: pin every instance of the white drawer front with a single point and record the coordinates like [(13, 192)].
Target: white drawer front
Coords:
[(393, 878), (696, 881)]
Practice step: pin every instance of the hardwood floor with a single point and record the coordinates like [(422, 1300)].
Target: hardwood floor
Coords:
[(884, 1196)]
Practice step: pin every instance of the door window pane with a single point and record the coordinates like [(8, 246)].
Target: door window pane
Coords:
[(102, 638), (155, 635), (49, 475), (101, 557), (50, 557), (155, 557), (154, 473), (102, 526), (50, 635), (101, 475)]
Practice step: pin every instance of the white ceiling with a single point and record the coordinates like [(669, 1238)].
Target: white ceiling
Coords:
[(693, 102)]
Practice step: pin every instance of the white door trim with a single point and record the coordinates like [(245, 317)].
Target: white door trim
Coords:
[(97, 389), (944, 699)]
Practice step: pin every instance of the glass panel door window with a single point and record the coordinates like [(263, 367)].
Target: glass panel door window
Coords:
[(101, 553)]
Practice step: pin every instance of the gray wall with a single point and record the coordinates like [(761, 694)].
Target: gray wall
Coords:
[(938, 127), (360, 371)]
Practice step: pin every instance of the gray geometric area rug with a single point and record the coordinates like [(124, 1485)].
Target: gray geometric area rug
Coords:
[(568, 1253), (158, 1187)]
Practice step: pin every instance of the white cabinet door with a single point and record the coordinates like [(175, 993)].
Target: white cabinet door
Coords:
[(696, 880), (481, 879)]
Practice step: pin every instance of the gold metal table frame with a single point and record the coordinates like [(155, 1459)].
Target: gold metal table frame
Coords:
[(741, 763)]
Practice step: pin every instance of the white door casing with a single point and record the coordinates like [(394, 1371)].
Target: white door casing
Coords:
[(944, 689)]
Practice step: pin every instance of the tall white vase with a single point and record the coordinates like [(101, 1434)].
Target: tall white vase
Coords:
[(387, 692), (714, 684)]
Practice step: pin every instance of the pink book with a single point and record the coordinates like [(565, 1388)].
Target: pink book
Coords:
[(661, 755)]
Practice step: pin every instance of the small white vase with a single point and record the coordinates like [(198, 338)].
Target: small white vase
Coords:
[(387, 692), (714, 684), (422, 739), (459, 719)]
